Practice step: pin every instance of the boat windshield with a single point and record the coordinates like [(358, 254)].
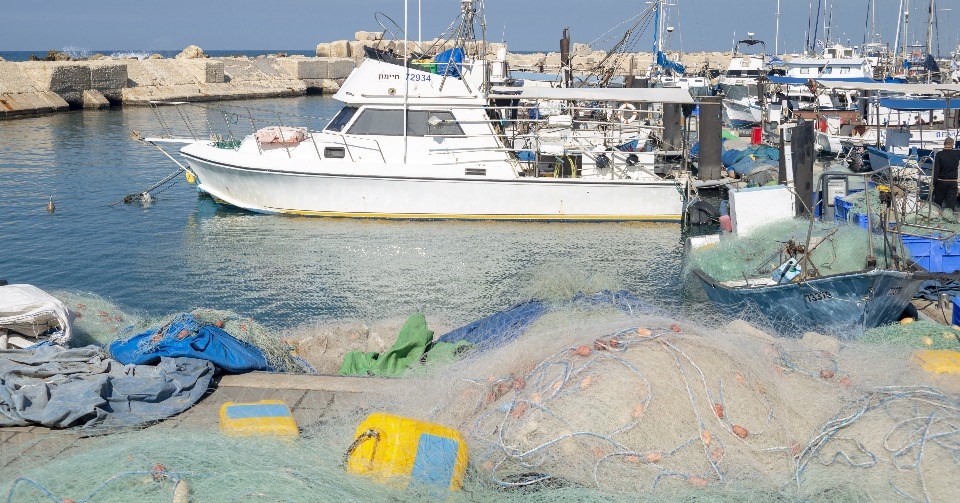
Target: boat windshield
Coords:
[(341, 120)]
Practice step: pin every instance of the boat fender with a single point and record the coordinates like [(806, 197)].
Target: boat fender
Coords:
[(627, 113), (633, 160), (191, 178)]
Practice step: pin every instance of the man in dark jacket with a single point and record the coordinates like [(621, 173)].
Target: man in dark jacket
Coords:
[(945, 166)]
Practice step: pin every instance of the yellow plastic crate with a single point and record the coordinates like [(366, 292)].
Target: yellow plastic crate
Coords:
[(938, 361), (266, 417), (400, 450)]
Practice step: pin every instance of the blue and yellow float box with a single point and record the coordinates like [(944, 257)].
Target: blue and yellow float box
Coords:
[(404, 451), (265, 418)]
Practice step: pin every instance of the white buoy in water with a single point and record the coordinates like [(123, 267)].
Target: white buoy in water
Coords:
[(181, 492), (146, 198), (50, 206)]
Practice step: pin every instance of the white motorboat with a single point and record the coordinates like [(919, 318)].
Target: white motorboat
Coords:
[(438, 140)]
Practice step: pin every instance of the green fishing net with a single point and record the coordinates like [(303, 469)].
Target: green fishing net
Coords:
[(843, 250)]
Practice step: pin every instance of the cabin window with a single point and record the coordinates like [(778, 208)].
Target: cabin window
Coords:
[(342, 118), (845, 71), (804, 71), (827, 71), (419, 123)]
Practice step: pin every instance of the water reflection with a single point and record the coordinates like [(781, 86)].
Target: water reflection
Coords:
[(185, 251)]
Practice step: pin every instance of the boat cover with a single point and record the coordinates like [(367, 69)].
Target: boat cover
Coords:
[(449, 62), (184, 336), (30, 311), (925, 105), (280, 135), (62, 388)]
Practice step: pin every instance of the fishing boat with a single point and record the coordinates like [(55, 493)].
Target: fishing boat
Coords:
[(448, 159), (859, 300)]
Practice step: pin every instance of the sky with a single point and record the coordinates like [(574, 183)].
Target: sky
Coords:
[(526, 25)]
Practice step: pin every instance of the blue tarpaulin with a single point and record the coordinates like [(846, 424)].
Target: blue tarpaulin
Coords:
[(62, 388), (185, 337), (506, 326), (664, 62), (925, 105), (449, 62), (751, 159)]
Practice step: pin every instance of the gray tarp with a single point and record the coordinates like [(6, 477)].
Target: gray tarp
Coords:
[(62, 388)]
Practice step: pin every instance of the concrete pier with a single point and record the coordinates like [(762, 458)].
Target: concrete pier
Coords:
[(38, 87)]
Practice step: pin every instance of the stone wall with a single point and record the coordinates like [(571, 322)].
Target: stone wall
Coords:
[(35, 87)]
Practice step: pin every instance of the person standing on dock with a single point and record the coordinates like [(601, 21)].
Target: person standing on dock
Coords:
[(945, 166)]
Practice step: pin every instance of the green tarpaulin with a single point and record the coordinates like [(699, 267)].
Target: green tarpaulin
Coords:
[(414, 347)]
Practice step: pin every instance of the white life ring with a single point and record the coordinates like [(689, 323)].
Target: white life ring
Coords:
[(626, 113)]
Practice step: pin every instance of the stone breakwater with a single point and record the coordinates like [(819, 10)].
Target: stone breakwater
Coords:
[(37, 87), (583, 57)]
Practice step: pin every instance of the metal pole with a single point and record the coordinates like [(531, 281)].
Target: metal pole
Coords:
[(871, 260), (406, 83), (776, 41)]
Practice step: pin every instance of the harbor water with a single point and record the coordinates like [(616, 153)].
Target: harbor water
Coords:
[(184, 250)]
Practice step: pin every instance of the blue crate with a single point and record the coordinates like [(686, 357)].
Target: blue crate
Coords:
[(934, 254), (842, 213)]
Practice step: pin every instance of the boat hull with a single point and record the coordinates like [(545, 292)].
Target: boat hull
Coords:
[(361, 196), (740, 114), (846, 303)]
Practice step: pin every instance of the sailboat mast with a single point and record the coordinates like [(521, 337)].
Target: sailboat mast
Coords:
[(896, 40), (930, 28), (906, 30), (776, 38)]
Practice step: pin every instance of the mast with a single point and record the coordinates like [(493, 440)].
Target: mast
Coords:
[(906, 31), (776, 38), (896, 41), (930, 28)]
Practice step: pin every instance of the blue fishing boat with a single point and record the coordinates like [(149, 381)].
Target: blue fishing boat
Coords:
[(842, 303)]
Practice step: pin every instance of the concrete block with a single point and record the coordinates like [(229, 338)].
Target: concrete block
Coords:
[(108, 75), (213, 71), (331, 86), (363, 36), (356, 49), (32, 103), (305, 68), (323, 50), (340, 68), (67, 79), (14, 80), (93, 99), (340, 49), (581, 50)]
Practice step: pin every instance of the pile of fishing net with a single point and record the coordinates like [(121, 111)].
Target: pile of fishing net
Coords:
[(843, 250), (100, 321), (588, 405), (921, 334)]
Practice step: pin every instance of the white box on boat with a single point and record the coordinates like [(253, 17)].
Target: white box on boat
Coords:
[(754, 207)]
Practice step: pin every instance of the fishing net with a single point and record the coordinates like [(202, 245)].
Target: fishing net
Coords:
[(100, 321), (588, 405), (921, 334), (842, 250)]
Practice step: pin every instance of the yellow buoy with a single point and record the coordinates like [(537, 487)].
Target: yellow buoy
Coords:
[(906, 321), (266, 417), (400, 451), (191, 178)]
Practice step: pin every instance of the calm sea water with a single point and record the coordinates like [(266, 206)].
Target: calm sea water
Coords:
[(185, 251)]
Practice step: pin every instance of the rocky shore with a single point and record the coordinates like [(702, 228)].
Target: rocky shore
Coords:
[(59, 83)]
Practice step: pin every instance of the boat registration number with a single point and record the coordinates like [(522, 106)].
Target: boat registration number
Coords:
[(817, 297)]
